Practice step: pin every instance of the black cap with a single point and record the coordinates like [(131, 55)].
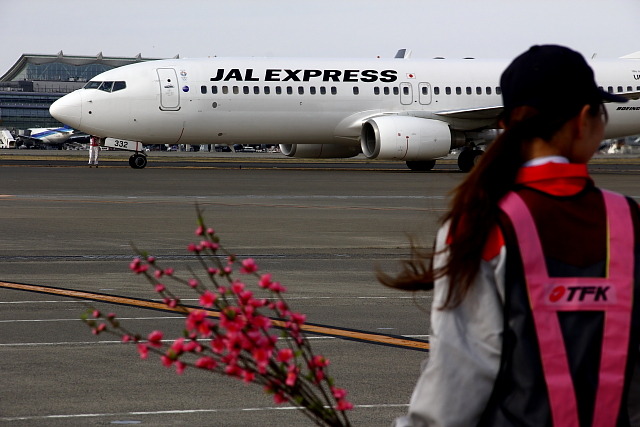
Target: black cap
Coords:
[(552, 79)]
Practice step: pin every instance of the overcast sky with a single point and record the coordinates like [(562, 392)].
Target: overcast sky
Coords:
[(324, 28)]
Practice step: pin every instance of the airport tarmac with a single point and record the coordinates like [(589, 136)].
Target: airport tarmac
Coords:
[(321, 228)]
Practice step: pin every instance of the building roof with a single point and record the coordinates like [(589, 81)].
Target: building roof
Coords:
[(35, 59)]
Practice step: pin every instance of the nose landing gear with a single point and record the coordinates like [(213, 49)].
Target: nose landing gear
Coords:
[(138, 160)]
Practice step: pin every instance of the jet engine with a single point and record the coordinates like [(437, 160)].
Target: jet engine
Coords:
[(319, 151), (408, 138)]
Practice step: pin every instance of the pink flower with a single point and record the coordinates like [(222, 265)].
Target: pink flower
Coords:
[(207, 299), (206, 363), (248, 376), (298, 318), (193, 283), (285, 355), (237, 287), (180, 367), (137, 267), (338, 393), (292, 375), (155, 339), (151, 259), (279, 397), (265, 281), (160, 288), (167, 361), (158, 274), (200, 231), (168, 271), (218, 345), (248, 266), (96, 313), (343, 405), (143, 351)]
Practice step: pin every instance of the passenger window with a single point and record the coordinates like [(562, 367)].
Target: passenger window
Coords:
[(610, 89), (106, 86), (312, 90), (425, 90), (256, 90), (214, 90), (478, 90), (119, 86), (267, 90), (334, 90), (225, 90), (203, 90), (278, 90), (387, 91), (396, 91), (469, 91), (376, 90), (300, 90), (236, 90), (498, 90), (436, 90), (92, 85), (245, 90), (488, 89), (323, 90), (356, 90), (289, 90), (447, 90), (629, 88), (458, 90), (620, 89)]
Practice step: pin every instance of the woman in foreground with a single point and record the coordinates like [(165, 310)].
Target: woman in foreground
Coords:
[(536, 278)]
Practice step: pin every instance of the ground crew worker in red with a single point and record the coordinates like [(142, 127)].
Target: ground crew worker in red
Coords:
[(536, 271), (94, 150)]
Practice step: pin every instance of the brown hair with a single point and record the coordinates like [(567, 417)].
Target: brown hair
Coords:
[(474, 206)]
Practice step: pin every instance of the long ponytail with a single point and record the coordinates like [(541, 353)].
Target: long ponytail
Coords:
[(474, 207)]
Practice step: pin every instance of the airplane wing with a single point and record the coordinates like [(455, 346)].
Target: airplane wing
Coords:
[(483, 113), (630, 95), (495, 111)]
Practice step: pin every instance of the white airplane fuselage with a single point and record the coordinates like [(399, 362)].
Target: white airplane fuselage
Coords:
[(400, 109)]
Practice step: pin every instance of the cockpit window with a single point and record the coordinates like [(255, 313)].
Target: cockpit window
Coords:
[(92, 85), (119, 86), (106, 86)]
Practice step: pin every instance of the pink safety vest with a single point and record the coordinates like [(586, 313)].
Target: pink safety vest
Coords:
[(549, 295)]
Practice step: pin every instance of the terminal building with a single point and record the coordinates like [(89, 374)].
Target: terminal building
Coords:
[(34, 82)]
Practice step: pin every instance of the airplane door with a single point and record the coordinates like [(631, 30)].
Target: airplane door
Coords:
[(424, 93), (406, 93), (169, 90)]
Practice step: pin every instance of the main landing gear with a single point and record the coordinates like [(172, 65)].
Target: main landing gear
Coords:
[(468, 158), (138, 160)]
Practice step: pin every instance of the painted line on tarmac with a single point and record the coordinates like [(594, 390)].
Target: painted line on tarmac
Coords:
[(184, 412), (344, 333)]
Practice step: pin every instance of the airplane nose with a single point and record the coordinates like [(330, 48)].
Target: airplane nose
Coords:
[(68, 109)]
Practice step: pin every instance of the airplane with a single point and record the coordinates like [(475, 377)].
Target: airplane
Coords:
[(405, 109), (45, 136)]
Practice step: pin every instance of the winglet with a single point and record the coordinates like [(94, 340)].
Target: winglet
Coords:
[(634, 55)]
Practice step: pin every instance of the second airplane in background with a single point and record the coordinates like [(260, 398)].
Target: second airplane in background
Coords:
[(392, 109)]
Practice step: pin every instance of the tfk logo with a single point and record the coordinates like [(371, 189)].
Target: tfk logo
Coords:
[(579, 293)]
